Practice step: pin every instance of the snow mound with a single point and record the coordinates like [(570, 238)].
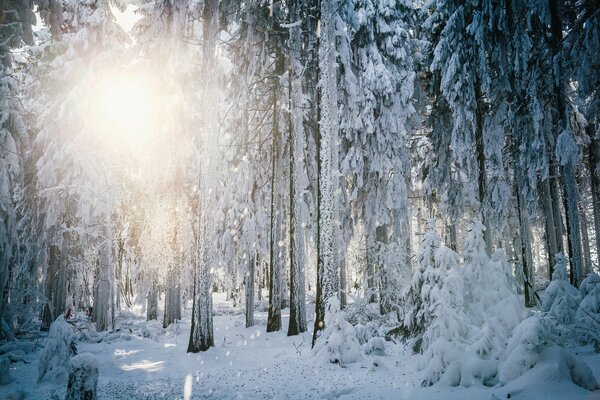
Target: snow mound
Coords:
[(523, 349), (587, 318), (60, 346), (83, 377), (338, 343), (5, 377), (578, 372)]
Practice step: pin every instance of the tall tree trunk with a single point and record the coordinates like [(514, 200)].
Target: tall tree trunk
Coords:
[(328, 265), (482, 177), (549, 221), (172, 310), (276, 265), (585, 241), (297, 322), (557, 211), (103, 292), (594, 166), (525, 240), (343, 280), (249, 290), (201, 332), (372, 270), (568, 168), (152, 302)]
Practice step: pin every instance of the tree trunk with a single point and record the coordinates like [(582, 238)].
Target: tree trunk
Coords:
[(482, 177), (549, 222), (343, 281), (249, 288), (568, 168), (328, 265), (585, 240), (102, 294), (276, 264), (594, 166), (525, 241), (172, 310), (201, 332), (152, 299), (297, 323)]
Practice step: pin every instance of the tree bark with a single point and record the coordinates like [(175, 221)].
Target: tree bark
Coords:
[(249, 290), (594, 167), (549, 221), (568, 169), (328, 265), (297, 323)]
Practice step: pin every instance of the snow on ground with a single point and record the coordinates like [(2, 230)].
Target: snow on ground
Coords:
[(143, 361)]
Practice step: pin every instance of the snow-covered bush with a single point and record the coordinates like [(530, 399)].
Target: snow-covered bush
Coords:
[(5, 377), (416, 313), (60, 346), (364, 333), (523, 349), (469, 314), (443, 339), (578, 371), (338, 342), (374, 346), (560, 302), (587, 318), (83, 377)]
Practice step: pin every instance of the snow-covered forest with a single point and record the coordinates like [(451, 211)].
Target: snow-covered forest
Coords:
[(356, 199)]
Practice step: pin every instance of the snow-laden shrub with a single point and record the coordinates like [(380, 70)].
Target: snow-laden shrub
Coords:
[(83, 377), (374, 346), (443, 340), (5, 377), (364, 333), (417, 300), (560, 302), (523, 349), (473, 310), (578, 372), (338, 342), (587, 317), (60, 346)]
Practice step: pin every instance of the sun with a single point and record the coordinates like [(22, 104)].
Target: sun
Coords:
[(127, 108)]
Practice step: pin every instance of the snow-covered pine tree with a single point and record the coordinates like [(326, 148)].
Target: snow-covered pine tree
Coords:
[(66, 175), (377, 114)]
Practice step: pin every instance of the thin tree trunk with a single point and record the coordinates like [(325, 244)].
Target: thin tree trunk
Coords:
[(525, 239), (249, 286), (549, 221), (482, 177), (594, 166), (343, 280), (152, 302)]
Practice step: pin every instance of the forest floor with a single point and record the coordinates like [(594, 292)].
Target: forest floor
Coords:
[(143, 361)]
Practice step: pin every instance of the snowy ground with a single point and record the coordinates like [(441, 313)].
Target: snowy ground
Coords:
[(143, 361)]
